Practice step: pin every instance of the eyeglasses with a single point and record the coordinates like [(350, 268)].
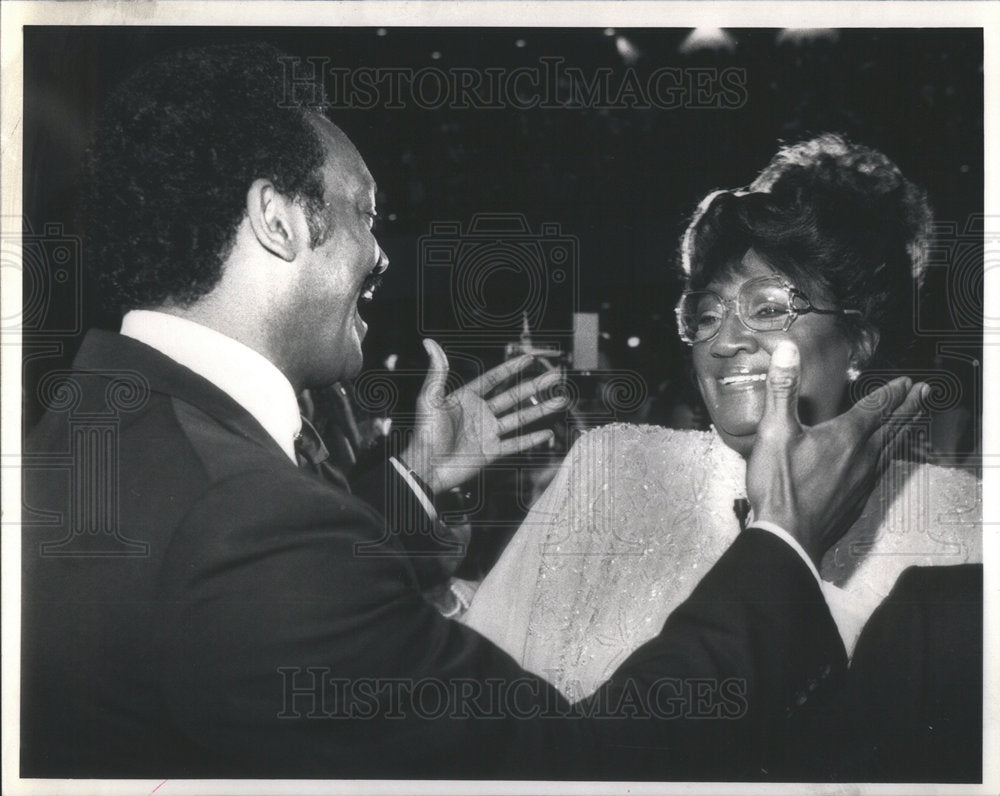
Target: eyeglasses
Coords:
[(763, 304)]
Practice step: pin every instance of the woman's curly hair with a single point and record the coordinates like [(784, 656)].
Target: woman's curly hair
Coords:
[(178, 146), (830, 214)]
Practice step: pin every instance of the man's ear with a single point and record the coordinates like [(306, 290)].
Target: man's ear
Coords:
[(864, 349), (274, 219)]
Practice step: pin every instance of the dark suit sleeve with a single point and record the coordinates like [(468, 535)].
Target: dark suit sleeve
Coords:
[(295, 642), (433, 549), (754, 652)]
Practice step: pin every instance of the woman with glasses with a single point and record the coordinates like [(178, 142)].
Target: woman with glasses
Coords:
[(824, 249)]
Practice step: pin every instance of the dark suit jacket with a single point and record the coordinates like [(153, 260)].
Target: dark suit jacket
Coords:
[(912, 705), (195, 605)]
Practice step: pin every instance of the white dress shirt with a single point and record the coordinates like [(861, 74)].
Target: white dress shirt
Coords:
[(245, 375)]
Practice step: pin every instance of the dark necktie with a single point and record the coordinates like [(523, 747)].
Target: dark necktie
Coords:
[(741, 508), (311, 454)]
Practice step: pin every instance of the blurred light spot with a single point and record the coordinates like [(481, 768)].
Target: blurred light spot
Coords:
[(609, 31), (707, 39), (628, 51), (633, 342), (392, 216), (806, 35), (605, 335), (381, 32), (436, 55), (390, 361), (520, 43)]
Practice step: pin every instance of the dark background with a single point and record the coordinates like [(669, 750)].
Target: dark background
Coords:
[(619, 182)]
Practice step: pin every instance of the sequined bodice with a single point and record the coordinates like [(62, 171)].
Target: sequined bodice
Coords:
[(638, 514)]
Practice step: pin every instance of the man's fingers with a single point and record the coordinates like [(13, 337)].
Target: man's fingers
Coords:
[(915, 402), (498, 375), (523, 417), (910, 409), (524, 442), (781, 392), (875, 409), (437, 372), (515, 395), (893, 442)]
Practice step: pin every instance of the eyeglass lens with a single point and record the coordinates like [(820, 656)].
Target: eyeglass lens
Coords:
[(763, 306)]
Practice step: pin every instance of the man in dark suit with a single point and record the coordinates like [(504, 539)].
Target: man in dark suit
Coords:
[(203, 596)]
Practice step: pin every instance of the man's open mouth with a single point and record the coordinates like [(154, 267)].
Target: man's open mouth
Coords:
[(371, 285)]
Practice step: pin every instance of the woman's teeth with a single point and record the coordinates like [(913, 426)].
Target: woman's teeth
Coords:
[(744, 378)]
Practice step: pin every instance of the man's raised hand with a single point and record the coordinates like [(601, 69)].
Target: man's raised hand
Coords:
[(814, 482), (459, 433)]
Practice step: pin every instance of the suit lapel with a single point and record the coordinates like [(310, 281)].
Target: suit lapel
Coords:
[(102, 350)]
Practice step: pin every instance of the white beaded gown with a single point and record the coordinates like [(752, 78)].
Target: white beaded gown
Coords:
[(638, 514)]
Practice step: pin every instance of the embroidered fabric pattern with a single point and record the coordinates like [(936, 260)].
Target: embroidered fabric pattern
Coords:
[(638, 514)]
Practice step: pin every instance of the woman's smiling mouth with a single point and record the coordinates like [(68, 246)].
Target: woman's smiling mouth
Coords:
[(742, 378)]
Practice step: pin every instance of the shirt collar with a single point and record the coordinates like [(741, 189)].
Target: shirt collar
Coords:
[(248, 377)]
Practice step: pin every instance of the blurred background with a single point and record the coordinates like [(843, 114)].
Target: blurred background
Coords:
[(563, 192)]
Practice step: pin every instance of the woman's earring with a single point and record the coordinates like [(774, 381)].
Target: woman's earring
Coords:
[(853, 373)]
